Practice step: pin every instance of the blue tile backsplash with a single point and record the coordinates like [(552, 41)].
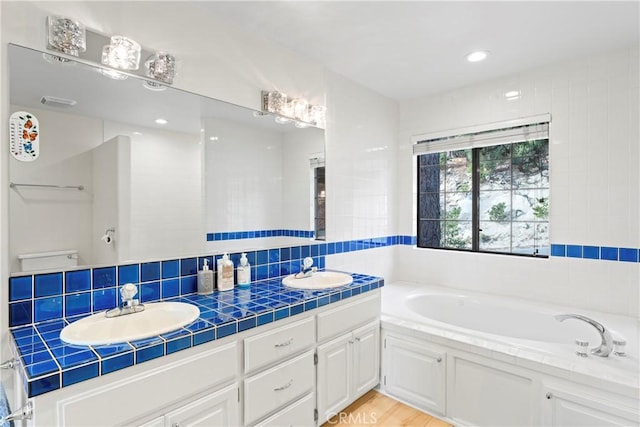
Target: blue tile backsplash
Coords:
[(255, 234)]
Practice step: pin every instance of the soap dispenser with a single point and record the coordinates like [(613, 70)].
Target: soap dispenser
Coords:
[(244, 272), (225, 273), (205, 279)]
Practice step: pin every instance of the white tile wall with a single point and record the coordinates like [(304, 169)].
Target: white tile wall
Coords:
[(595, 183), (43, 219)]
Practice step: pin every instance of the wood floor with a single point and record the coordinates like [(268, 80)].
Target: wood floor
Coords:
[(376, 409)]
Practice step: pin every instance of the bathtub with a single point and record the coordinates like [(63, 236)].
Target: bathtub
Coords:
[(514, 327)]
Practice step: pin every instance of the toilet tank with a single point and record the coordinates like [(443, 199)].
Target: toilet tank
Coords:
[(48, 260)]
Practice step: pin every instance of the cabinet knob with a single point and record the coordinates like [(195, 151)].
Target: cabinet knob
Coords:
[(351, 341), (358, 339), (175, 425), (439, 359), (549, 395)]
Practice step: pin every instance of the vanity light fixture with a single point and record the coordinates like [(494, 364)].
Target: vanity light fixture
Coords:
[(161, 121), (477, 56), (157, 87), (66, 35), (297, 110), (121, 53), (161, 66), (113, 74)]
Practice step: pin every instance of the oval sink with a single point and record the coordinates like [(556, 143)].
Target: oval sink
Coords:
[(157, 318), (319, 280)]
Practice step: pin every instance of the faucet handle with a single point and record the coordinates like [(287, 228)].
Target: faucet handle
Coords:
[(307, 262), (619, 347), (582, 347), (128, 291)]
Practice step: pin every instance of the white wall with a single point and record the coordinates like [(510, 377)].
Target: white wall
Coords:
[(299, 146), (49, 219), (595, 183), (243, 179), (165, 212)]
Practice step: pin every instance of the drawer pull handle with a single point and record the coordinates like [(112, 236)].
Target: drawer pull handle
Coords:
[(284, 387), (286, 343), (549, 395)]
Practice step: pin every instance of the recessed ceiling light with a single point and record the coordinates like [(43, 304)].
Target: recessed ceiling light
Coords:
[(136, 133), (512, 93), (477, 56), (213, 138), (161, 121)]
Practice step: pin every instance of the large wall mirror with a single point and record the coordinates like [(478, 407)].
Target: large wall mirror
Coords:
[(162, 173)]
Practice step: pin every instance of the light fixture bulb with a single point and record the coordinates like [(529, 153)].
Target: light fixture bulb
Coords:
[(276, 102), (161, 66), (122, 53), (300, 109), (66, 35), (161, 121), (302, 125), (113, 74), (282, 120), (477, 56), (318, 114)]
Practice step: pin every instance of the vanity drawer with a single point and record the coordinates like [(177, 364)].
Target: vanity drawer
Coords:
[(270, 390), (299, 413), (278, 344), (347, 317)]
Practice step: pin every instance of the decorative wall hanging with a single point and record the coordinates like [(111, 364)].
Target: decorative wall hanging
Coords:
[(24, 136)]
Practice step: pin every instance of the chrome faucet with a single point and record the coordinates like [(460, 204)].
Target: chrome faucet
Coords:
[(607, 340), (307, 268), (129, 304)]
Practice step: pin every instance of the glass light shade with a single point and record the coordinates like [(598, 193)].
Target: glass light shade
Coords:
[(161, 66), (302, 125), (66, 35), (113, 74), (300, 109), (276, 102), (122, 53), (282, 120), (318, 113)]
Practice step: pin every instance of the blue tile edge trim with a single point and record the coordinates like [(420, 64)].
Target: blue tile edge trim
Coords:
[(257, 234), (604, 253), (49, 364)]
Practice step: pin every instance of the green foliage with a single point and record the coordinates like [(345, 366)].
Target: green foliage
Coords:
[(498, 212), (453, 235), (541, 209)]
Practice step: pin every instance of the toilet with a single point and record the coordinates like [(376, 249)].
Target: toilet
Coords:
[(48, 260)]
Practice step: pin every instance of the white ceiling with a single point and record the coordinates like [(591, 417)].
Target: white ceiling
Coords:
[(411, 49)]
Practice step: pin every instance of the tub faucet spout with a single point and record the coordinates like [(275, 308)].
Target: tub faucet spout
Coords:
[(607, 340)]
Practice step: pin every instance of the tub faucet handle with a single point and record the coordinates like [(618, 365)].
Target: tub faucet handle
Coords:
[(605, 347)]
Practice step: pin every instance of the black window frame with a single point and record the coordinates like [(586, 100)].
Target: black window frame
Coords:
[(475, 215)]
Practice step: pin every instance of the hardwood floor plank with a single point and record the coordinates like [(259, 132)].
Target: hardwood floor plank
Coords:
[(376, 409)]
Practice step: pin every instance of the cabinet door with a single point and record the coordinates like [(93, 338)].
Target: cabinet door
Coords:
[(298, 414), (564, 408), (156, 422), (366, 358), (415, 373), (334, 376), (218, 409)]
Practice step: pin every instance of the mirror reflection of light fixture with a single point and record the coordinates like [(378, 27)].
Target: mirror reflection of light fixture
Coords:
[(161, 66), (113, 74), (66, 35), (121, 53), (158, 87), (297, 110)]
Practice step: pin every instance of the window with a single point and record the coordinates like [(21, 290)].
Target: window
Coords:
[(485, 196), (319, 203)]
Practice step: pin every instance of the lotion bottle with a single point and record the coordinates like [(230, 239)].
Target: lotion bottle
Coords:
[(244, 272), (225, 273), (205, 279)]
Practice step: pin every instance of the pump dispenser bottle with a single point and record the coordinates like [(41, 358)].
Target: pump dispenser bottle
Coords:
[(225, 273), (244, 272), (205, 279)]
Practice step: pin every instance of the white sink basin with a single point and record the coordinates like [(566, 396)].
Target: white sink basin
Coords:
[(157, 318), (319, 280)]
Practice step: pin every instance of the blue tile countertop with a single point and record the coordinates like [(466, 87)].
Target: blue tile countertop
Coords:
[(50, 364)]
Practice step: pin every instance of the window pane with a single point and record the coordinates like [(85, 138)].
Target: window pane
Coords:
[(458, 206), (457, 234), (430, 234), (495, 236), (495, 175), (458, 171), (531, 172), (496, 152), (495, 205), (531, 205), (431, 205), (530, 238), (538, 148)]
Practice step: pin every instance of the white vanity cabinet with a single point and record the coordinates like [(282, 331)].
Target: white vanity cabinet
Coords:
[(414, 372), (349, 358), (219, 408), (569, 405), (149, 392)]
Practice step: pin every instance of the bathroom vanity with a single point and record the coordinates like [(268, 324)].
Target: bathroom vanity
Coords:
[(299, 371)]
